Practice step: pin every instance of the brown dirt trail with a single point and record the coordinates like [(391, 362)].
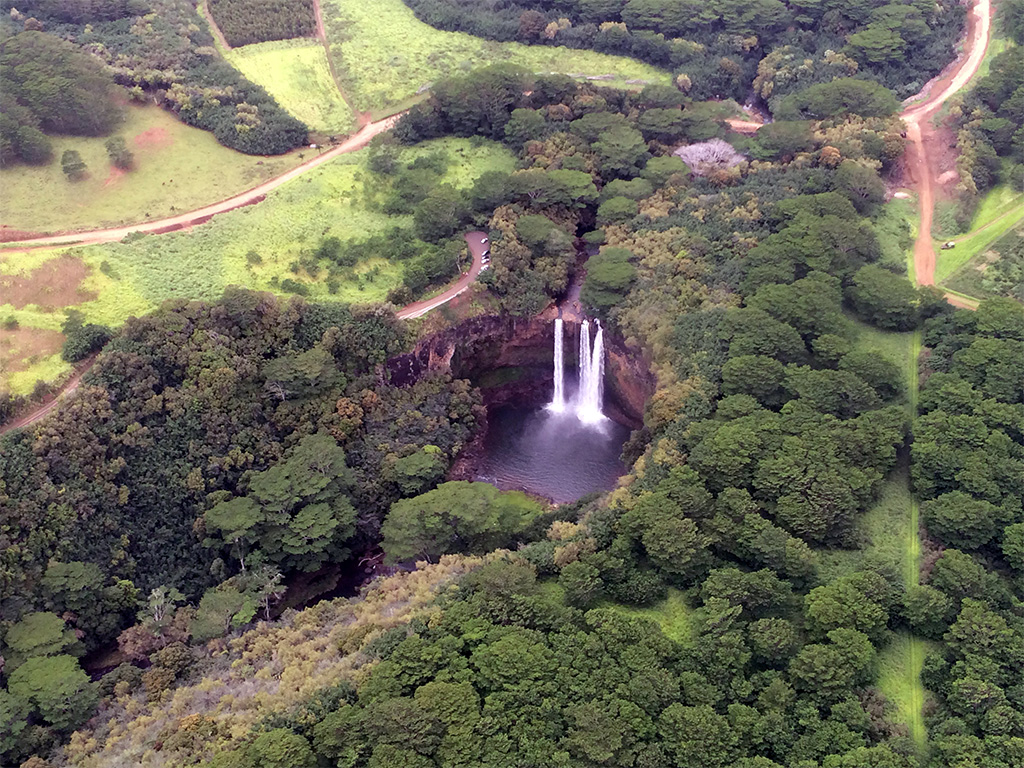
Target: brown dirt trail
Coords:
[(923, 135)]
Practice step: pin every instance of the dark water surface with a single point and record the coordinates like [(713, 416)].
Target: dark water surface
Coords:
[(552, 455)]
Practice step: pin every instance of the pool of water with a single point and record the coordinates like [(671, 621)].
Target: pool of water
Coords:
[(552, 455)]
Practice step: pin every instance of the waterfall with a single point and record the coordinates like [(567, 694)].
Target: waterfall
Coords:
[(589, 397), (583, 365), (558, 401), (591, 368)]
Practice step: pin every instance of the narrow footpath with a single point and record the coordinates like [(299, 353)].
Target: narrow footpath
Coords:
[(916, 648), (362, 118)]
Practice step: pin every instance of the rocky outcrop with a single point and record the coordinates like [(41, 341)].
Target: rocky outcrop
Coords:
[(510, 360)]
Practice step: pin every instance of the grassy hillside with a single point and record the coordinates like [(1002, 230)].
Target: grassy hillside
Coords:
[(253, 247), (177, 168), (295, 72), (387, 55)]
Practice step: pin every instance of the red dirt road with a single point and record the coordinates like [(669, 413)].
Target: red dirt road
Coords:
[(254, 195), (922, 134)]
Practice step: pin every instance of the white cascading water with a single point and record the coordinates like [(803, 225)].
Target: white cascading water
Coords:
[(591, 368), (590, 394), (558, 401), (583, 364)]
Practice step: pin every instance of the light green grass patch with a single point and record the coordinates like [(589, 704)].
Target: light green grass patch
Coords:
[(972, 281), (896, 225), (894, 347), (888, 532), (996, 45), (134, 276), (177, 169), (295, 72), (49, 368), (673, 615), (899, 678), (999, 201), (387, 55), (969, 246)]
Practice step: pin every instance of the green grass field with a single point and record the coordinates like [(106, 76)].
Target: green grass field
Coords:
[(252, 247), (896, 226), (178, 168), (386, 54), (973, 278), (295, 72)]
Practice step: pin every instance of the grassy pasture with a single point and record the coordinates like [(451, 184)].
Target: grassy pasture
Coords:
[(177, 168), (252, 247), (386, 54), (295, 72), (969, 279)]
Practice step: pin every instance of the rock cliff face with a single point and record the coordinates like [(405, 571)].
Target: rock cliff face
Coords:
[(510, 359)]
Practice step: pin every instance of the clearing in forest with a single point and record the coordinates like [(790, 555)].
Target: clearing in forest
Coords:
[(388, 56)]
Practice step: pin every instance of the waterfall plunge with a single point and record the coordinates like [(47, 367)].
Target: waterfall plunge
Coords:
[(558, 401), (589, 396)]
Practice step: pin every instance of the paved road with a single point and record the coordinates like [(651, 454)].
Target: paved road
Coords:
[(184, 220), (477, 246)]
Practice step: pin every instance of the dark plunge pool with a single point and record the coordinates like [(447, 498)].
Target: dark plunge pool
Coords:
[(551, 454)]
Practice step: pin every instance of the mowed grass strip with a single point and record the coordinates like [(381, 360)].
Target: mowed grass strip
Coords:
[(387, 55), (177, 169), (899, 679), (295, 72)]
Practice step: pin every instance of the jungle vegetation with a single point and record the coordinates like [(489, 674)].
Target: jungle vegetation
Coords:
[(220, 448)]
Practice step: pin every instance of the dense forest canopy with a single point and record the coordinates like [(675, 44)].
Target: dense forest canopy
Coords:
[(724, 607), (990, 137), (259, 21), (49, 86), (723, 48)]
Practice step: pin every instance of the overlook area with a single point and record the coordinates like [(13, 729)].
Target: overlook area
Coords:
[(543, 383)]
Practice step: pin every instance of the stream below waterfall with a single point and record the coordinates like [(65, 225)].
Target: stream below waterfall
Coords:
[(554, 455)]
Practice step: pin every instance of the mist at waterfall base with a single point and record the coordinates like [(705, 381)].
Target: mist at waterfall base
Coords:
[(567, 449)]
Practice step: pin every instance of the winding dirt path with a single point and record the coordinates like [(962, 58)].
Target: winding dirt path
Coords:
[(202, 215), (204, 11), (922, 133)]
